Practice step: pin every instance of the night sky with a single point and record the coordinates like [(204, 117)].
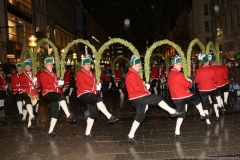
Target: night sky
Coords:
[(149, 19)]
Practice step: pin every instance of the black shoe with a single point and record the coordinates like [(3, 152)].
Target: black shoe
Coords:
[(90, 137), (24, 121), (52, 134), (208, 125), (30, 128), (217, 118), (223, 110), (20, 115), (113, 119), (132, 139), (177, 113), (225, 104), (33, 121), (35, 113), (71, 119), (204, 117), (179, 136)]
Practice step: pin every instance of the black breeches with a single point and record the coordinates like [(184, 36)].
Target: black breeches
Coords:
[(140, 115), (54, 97), (140, 105), (18, 97), (66, 92), (205, 100), (91, 101), (181, 103), (153, 83), (26, 98), (2, 94), (55, 110)]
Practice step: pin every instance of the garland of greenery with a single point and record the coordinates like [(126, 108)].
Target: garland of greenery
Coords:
[(40, 62), (114, 62), (26, 53), (217, 53), (155, 45), (105, 46), (189, 51), (66, 49), (55, 51), (165, 59)]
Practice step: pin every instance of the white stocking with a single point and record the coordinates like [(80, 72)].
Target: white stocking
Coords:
[(90, 122), (103, 109), (135, 126), (178, 125)]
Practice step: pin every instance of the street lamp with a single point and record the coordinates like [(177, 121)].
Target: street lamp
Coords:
[(32, 42)]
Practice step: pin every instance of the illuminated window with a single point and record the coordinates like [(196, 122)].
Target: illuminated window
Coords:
[(18, 28)]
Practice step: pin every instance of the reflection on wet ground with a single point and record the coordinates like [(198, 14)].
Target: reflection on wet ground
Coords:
[(156, 134)]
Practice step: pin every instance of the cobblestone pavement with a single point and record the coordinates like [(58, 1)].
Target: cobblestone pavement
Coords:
[(156, 134)]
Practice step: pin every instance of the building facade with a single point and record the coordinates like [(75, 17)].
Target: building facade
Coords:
[(44, 19), (226, 24)]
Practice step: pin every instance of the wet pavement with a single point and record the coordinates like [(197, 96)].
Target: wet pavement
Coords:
[(155, 134)]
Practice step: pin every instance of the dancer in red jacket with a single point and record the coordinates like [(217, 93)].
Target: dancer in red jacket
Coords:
[(28, 90), (207, 80), (52, 93), (16, 88), (181, 96), (87, 93), (3, 87), (222, 76), (66, 88), (140, 97), (154, 77)]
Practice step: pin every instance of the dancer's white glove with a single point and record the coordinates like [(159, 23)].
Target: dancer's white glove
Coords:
[(99, 85), (60, 82), (147, 85)]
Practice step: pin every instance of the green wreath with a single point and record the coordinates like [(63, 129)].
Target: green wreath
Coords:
[(155, 45)]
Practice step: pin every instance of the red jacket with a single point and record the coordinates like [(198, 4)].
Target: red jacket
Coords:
[(118, 75), (206, 78), (102, 77), (49, 82), (15, 83), (225, 73), (178, 85), (3, 83), (38, 79), (26, 84), (67, 77), (154, 73), (221, 76), (162, 72), (194, 68), (86, 82), (135, 85)]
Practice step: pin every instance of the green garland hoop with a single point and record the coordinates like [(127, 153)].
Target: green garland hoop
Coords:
[(114, 62), (66, 49), (155, 45), (105, 46), (26, 52), (189, 51), (165, 59), (215, 50), (55, 51)]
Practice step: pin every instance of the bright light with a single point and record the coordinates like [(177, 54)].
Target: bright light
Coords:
[(126, 22), (216, 8), (32, 38), (95, 39), (74, 56), (32, 44)]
